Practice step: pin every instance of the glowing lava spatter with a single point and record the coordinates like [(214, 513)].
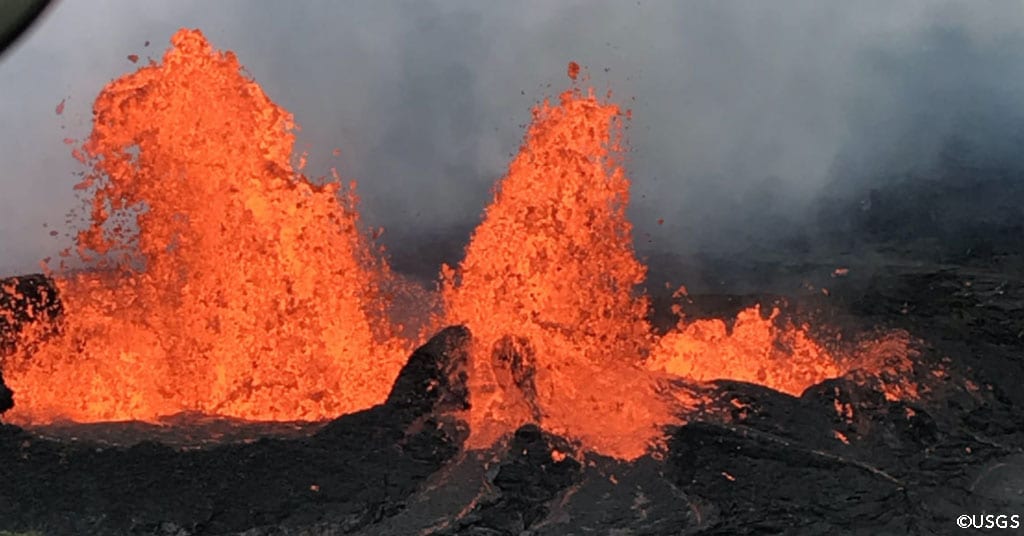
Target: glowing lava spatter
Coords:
[(755, 350), (225, 283)]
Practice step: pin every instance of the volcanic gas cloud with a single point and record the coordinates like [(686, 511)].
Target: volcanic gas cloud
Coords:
[(221, 280)]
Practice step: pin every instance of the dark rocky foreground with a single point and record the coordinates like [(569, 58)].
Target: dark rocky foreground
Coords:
[(754, 461), (349, 474)]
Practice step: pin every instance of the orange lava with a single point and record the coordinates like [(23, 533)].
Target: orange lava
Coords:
[(780, 355), (553, 263), (223, 281), (573, 70), (756, 350), (552, 266)]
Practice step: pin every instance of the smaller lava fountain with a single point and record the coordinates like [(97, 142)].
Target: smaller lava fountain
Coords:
[(552, 266), (222, 281)]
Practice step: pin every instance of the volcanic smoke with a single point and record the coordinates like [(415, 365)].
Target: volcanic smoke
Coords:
[(221, 280)]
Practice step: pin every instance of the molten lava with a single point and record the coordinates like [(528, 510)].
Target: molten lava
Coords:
[(755, 351), (552, 271), (777, 354), (222, 281), (553, 263)]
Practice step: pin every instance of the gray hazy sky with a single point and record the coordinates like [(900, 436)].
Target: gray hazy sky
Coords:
[(740, 107)]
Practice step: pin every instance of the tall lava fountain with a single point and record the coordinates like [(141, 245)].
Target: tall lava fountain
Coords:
[(220, 280)]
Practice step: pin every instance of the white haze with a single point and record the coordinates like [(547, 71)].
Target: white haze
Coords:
[(741, 109)]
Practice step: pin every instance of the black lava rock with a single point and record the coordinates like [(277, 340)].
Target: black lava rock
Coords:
[(764, 485), (6, 395), (435, 377), (537, 468)]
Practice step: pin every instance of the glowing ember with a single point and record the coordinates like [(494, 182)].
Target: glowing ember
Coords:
[(222, 281), (227, 284)]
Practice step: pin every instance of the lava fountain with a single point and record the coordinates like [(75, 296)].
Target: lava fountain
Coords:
[(550, 288), (220, 280), (552, 271)]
